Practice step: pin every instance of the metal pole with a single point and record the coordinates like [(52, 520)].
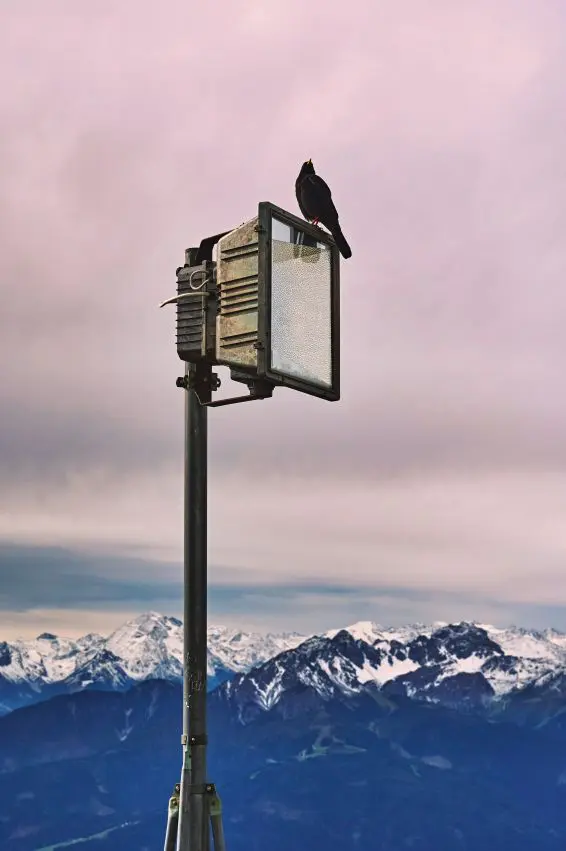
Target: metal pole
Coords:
[(193, 817)]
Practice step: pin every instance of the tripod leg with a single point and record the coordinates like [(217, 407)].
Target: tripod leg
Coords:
[(215, 813), (172, 821)]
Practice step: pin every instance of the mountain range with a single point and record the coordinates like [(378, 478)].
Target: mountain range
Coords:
[(147, 647), (328, 773), (447, 737), (465, 664)]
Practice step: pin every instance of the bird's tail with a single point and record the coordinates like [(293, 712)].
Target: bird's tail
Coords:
[(340, 241)]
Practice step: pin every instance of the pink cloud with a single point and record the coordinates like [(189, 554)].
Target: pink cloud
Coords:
[(128, 132)]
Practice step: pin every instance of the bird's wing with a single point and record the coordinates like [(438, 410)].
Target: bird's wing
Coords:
[(324, 201), (321, 186), (298, 193)]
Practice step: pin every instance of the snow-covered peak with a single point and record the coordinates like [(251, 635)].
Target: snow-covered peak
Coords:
[(367, 631), (90, 641), (404, 634), (45, 658), (528, 644), (235, 650), (555, 637), (150, 645), (549, 645), (458, 662), (372, 632), (149, 625)]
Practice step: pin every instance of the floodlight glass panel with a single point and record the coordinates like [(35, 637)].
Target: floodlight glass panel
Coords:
[(301, 305)]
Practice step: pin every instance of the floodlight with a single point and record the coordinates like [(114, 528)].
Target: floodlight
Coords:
[(278, 317)]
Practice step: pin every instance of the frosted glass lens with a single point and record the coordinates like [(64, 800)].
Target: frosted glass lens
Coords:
[(300, 306)]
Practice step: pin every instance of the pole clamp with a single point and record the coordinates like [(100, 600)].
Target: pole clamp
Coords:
[(202, 380)]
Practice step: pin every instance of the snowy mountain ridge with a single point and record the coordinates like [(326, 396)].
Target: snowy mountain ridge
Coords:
[(147, 647), (463, 665), (417, 660), (514, 640)]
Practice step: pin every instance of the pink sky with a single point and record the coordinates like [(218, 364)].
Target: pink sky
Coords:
[(131, 130)]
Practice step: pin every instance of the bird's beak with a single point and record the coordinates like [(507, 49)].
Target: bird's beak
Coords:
[(309, 162)]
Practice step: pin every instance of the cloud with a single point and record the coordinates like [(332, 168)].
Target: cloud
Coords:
[(125, 137), (54, 577), (71, 592)]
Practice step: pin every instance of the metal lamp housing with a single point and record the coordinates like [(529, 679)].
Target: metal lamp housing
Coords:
[(278, 313)]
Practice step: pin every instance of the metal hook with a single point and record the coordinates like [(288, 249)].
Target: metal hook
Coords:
[(201, 285), (174, 299)]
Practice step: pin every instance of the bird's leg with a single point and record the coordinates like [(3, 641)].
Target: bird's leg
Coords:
[(315, 221)]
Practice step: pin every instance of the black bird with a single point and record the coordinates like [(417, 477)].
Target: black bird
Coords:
[(315, 201)]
